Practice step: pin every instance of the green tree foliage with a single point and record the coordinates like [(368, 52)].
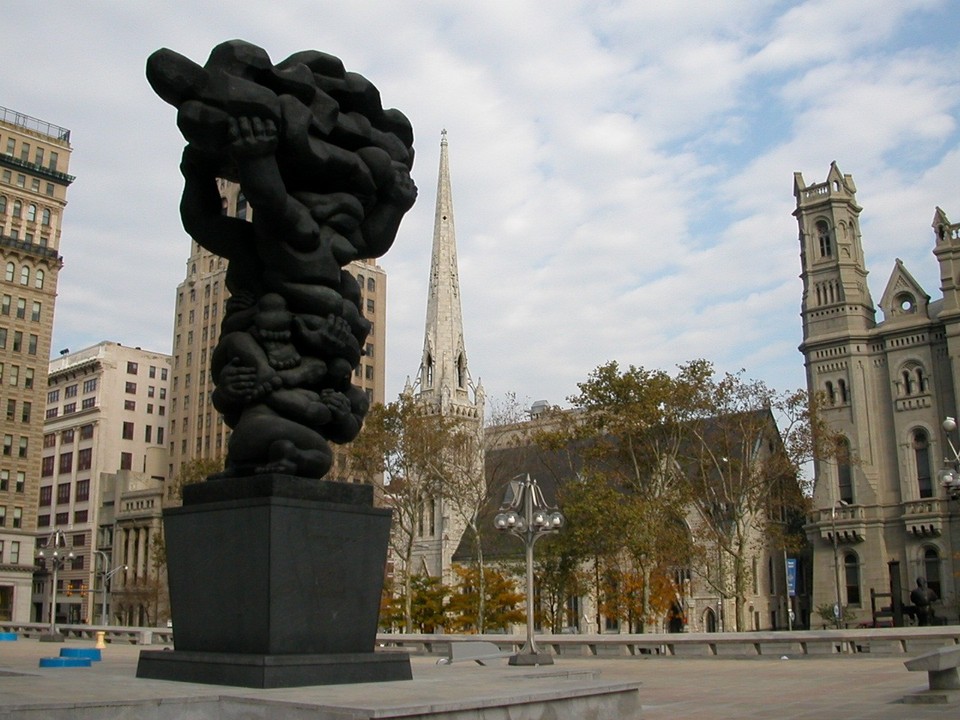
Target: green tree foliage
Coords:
[(195, 471), (503, 602), (415, 453)]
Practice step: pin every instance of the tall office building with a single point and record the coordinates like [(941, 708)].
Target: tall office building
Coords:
[(444, 386), (197, 430), (106, 411), (34, 158), (880, 513)]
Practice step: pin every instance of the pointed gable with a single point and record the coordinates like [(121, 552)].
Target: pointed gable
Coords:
[(903, 299)]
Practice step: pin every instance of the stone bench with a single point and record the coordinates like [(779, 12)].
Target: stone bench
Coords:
[(476, 650), (943, 675)]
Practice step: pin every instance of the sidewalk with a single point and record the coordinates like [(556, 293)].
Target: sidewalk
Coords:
[(848, 687)]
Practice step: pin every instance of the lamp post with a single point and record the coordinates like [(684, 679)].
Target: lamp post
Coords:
[(949, 477), (525, 514), (838, 608), (55, 553), (105, 576)]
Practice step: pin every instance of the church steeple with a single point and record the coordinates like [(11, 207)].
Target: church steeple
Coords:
[(444, 379)]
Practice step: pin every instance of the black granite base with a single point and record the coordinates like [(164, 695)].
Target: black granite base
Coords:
[(273, 671)]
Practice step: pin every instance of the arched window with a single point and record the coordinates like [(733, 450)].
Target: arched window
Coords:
[(823, 238), (921, 453), (842, 390), (31, 213), (429, 372), (11, 269), (461, 371), (851, 574), (931, 569), (921, 380), (907, 378), (371, 284), (38, 280), (45, 217), (831, 395), (844, 471), (25, 275)]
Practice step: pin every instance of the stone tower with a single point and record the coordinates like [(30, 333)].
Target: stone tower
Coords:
[(887, 386), (444, 385)]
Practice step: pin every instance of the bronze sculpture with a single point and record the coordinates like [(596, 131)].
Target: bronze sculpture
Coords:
[(326, 170)]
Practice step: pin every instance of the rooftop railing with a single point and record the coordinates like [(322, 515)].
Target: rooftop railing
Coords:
[(35, 124)]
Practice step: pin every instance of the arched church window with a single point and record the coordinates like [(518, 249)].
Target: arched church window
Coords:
[(823, 238), (25, 275), (921, 453), (831, 395), (844, 471), (931, 569), (429, 373), (921, 380), (11, 269), (907, 377), (842, 391), (851, 573), (38, 280), (461, 371)]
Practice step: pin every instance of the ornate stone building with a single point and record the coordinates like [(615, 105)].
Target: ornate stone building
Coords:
[(34, 158), (444, 385), (879, 508)]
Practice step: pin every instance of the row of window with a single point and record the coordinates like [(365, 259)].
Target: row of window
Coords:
[(65, 465), (11, 273), (14, 557), (62, 519), (67, 436), (128, 431), (38, 154), (7, 177), (20, 481), (81, 493), (923, 465), (16, 517), (26, 410), (70, 391), (133, 368), (16, 341), (6, 302), (851, 574), (130, 388), (13, 376), (22, 446), (69, 408), (16, 208)]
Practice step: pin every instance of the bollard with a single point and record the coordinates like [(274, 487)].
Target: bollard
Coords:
[(101, 640)]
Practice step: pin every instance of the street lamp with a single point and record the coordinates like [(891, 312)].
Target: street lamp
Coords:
[(105, 576), (838, 608), (525, 514), (949, 477), (55, 553)]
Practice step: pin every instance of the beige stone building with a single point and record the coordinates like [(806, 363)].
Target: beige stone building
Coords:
[(880, 510), (196, 429), (106, 411), (34, 159)]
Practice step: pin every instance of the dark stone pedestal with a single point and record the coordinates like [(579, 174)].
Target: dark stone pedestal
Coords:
[(275, 581)]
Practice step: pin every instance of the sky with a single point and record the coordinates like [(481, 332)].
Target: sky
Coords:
[(622, 171)]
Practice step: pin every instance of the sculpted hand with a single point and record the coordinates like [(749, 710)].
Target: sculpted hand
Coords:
[(252, 136)]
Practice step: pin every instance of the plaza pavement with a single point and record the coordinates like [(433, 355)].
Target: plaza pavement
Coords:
[(825, 687)]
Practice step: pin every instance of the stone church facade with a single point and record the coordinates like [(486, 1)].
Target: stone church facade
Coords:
[(879, 509)]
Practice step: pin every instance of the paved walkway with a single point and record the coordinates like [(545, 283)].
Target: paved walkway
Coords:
[(848, 687)]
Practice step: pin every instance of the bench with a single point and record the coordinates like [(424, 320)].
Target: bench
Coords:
[(476, 650), (941, 666)]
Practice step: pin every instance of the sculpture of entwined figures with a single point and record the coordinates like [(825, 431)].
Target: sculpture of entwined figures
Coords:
[(326, 170)]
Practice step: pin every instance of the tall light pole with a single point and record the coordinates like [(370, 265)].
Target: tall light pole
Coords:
[(838, 608), (534, 520), (54, 552), (105, 576)]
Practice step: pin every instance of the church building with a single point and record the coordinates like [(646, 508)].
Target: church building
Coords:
[(880, 514)]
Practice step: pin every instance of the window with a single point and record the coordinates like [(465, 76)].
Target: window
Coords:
[(25, 275), (63, 493), (28, 378), (5, 305), (53, 396), (69, 408), (82, 491), (38, 280), (35, 312), (921, 454), (126, 461), (62, 518), (11, 269), (127, 431), (17, 341), (84, 459), (43, 520), (851, 569), (11, 410), (15, 552), (88, 403), (14, 375), (21, 485), (66, 463), (148, 433), (160, 436), (17, 517), (46, 496), (70, 391), (89, 385), (25, 411), (66, 437), (45, 217), (131, 368), (823, 239), (46, 468), (371, 284), (50, 440), (844, 471), (3, 338), (32, 341), (130, 388), (21, 308), (52, 164), (31, 213), (151, 390), (3, 516), (129, 404), (931, 569), (24, 447), (4, 480), (86, 432)]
